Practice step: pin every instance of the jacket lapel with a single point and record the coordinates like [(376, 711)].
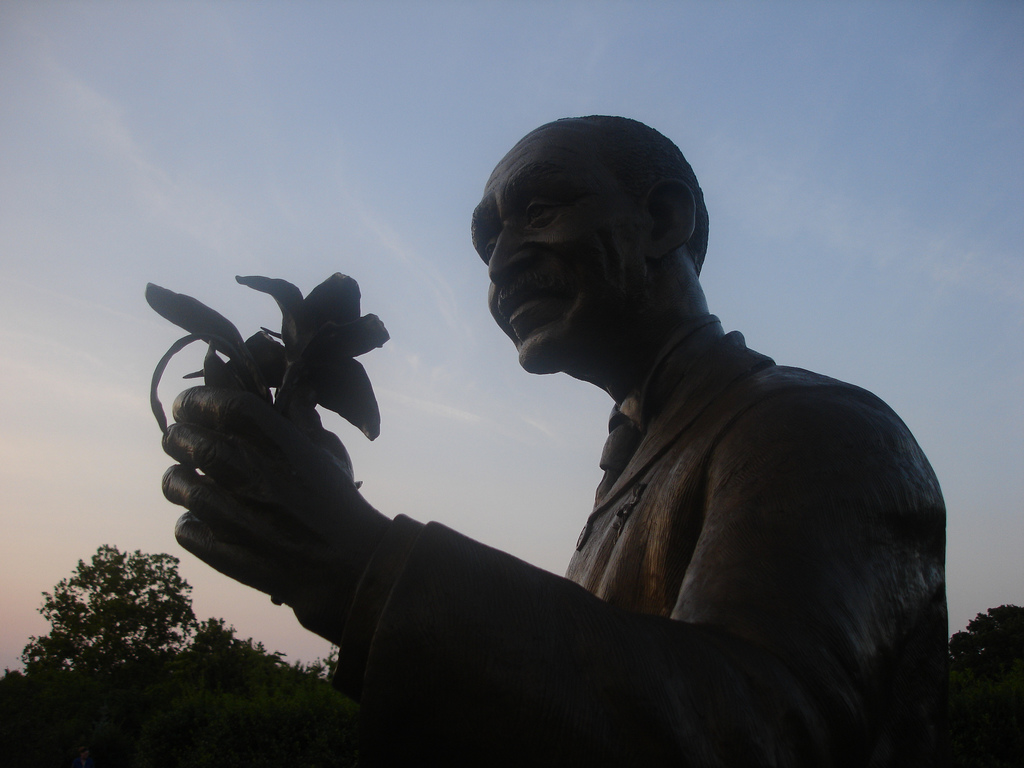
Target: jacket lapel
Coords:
[(707, 377)]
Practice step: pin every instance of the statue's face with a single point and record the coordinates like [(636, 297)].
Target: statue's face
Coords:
[(559, 236)]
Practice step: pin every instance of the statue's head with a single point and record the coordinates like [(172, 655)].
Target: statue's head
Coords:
[(639, 157), (591, 228)]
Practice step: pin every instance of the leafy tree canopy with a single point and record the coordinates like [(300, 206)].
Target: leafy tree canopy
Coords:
[(117, 609), (218, 661), (992, 642)]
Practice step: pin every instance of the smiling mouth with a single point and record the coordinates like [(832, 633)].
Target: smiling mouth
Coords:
[(529, 287)]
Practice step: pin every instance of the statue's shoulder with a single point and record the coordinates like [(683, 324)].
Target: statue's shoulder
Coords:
[(737, 406), (825, 426), (795, 391), (735, 379)]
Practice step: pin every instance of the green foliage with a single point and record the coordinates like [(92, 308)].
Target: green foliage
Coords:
[(120, 609), (45, 716), (296, 721), (993, 641), (986, 719), (152, 697), (234, 704), (117, 672), (218, 662), (986, 690)]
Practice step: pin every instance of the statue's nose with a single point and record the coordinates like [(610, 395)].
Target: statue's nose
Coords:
[(508, 256)]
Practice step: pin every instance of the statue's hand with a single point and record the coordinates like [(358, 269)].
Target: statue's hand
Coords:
[(269, 506)]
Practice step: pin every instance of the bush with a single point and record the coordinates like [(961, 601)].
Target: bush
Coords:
[(313, 727)]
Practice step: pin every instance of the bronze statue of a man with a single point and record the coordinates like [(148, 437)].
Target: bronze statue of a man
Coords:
[(761, 580)]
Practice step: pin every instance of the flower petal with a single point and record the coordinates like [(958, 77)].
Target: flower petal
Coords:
[(192, 315), (269, 356), (335, 300), (344, 388), (334, 341), (297, 327), (212, 327)]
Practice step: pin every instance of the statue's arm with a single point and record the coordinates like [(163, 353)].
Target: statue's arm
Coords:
[(801, 589), (819, 558), (478, 658)]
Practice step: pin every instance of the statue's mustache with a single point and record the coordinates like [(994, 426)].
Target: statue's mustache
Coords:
[(530, 284)]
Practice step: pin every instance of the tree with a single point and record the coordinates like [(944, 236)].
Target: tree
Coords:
[(126, 669), (218, 662), (229, 703), (118, 610), (986, 690), (992, 642)]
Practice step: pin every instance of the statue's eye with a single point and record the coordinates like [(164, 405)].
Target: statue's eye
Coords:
[(485, 240), (540, 214)]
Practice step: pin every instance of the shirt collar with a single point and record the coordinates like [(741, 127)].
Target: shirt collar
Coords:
[(685, 343)]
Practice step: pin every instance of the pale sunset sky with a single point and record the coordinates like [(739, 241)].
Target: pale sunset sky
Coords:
[(862, 163)]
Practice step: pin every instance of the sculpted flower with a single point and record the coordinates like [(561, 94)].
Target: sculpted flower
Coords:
[(322, 334)]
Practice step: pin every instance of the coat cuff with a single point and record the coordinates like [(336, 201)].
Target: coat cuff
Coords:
[(368, 604)]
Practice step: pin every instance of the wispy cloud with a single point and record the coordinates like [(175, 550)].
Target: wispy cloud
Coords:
[(427, 272), (542, 428), (112, 172), (432, 408), (44, 372), (783, 200)]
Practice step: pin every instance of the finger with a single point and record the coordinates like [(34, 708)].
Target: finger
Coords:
[(234, 411), (233, 560), (213, 505), (222, 457), (261, 527), (187, 488), (249, 472), (278, 450), (247, 416)]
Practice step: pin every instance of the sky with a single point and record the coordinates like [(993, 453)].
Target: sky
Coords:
[(862, 163)]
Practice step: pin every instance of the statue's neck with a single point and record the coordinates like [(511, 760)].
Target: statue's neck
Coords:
[(661, 375)]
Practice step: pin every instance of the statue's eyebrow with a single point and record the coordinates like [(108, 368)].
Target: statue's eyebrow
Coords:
[(522, 183), (531, 174)]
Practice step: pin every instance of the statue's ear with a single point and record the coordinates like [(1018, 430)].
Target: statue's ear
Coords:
[(673, 215)]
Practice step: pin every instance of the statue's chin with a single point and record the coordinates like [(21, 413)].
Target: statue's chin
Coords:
[(564, 345), (541, 354)]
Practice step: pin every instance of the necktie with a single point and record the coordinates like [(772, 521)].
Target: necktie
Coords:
[(623, 438)]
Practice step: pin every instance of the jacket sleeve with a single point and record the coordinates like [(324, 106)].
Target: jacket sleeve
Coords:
[(791, 621)]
